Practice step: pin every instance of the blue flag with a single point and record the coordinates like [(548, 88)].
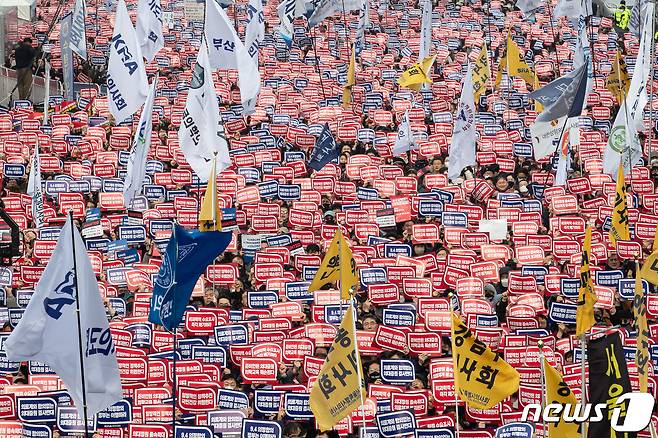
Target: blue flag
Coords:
[(564, 96), (325, 150), (186, 258)]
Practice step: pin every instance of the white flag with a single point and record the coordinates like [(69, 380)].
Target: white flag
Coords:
[(364, 20), (462, 147), (136, 169), (149, 28), (288, 10), (255, 33), (199, 133), (545, 135), (327, 8), (426, 31), (563, 166), (127, 84), (48, 330), (35, 190), (573, 8), (78, 38), (248, 74), (223, 43), (623, 143), (405, 139)]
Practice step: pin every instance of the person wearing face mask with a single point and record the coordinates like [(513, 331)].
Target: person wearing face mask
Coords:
[(419, 249)]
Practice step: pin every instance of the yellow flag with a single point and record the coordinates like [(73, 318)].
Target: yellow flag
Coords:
[(619, 228), (650, 268), (482, 379), (347, 89), (642, 348), (338, 264), (338, 390), (586, 296), (618, 82), (210, 217), (418, 74), (557, 391), (481, 73), (517, 65), (349, 276)]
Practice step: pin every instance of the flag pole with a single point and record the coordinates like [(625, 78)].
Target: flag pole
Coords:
[(46, 100), (544, 395), (650, 140), (583, 385), (317, 59), (175, 347), (359, 369), (77, 313), (173, 382), (454, 365)]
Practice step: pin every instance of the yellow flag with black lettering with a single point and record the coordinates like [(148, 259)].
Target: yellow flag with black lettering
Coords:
[(347, 89), (481, 73), (586, 296), (349, 275), (339, 389), (557, 391), (482, 378), (650, 268), (618, 82), (210, 216), (338, 264), (516, 64), (418, 74), (619, 228), (642, 348)]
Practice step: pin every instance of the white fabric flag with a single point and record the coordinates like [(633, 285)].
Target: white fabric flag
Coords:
[(35, 190), (149, 28), (288, 10), (248, 74), (563, 165), (573, 8), (327, 8), (360, 40), (223, 43), (127, 84), (136, 169), (78, 38), (255, 32), (426, 31), (248, 80), (405, 139), (623, 143), (462, 147), (545, 135), (200, 132), (48, 330)]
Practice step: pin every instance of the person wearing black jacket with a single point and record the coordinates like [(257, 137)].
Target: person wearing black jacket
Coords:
[(24, 55)]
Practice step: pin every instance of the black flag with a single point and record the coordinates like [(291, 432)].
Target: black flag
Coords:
[(608, 379)]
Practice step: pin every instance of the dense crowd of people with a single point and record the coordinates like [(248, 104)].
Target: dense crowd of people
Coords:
[(424, 245)]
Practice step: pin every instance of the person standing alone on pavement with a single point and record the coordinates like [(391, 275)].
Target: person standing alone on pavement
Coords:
[(24, 55)]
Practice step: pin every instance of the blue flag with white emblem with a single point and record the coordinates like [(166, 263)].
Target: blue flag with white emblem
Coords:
[(186, 258), (325, 150)]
